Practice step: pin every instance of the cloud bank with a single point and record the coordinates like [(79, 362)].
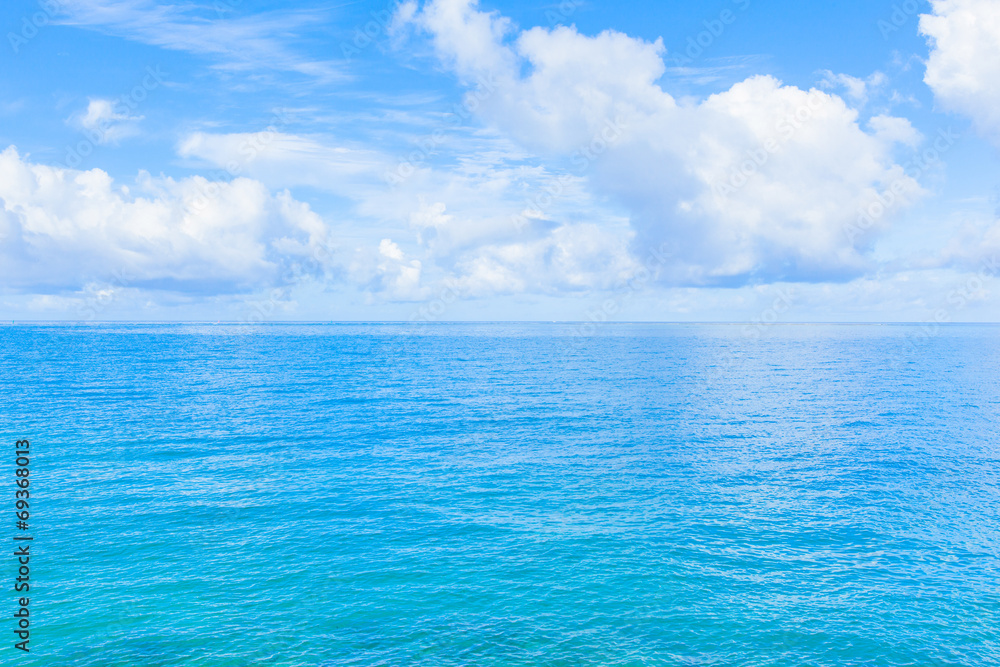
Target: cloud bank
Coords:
[(61, 228), (762, 182), (963, 68)]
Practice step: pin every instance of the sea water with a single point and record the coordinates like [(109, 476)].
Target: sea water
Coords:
[(505, 494)]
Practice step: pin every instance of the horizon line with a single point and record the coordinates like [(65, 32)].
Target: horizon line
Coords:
[(14, 322)]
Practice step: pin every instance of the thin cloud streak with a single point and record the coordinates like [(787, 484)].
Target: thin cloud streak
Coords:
[(243, 43)]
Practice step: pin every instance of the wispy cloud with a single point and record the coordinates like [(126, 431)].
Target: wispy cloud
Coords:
[(240, 43), (105, 122)]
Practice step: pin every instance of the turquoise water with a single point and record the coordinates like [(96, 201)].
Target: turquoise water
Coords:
[(507, 494)]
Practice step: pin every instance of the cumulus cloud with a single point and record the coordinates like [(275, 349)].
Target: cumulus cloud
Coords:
[(501, 258), (387, 274), (574, 257), (761, 182), (63, 229), (963, 69), (486, 225)]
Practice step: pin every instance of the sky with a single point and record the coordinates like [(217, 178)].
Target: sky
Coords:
[(447, 160)]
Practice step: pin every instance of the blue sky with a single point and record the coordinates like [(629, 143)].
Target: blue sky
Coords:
[(448, 160)]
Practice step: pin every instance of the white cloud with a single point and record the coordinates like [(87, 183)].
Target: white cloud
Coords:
[(103, 123), (491, 256), (63, 229), (761, 182), (858, 90), (462, 217), (253, 42), (574, 257), (467, 39), (387, 274), (285, 160), (892, 129), (963, 69), (975, 246)]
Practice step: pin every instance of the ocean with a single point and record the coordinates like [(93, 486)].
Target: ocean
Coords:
[(505, 494)]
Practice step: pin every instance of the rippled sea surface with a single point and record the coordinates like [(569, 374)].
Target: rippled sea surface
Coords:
[(505, 494)]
